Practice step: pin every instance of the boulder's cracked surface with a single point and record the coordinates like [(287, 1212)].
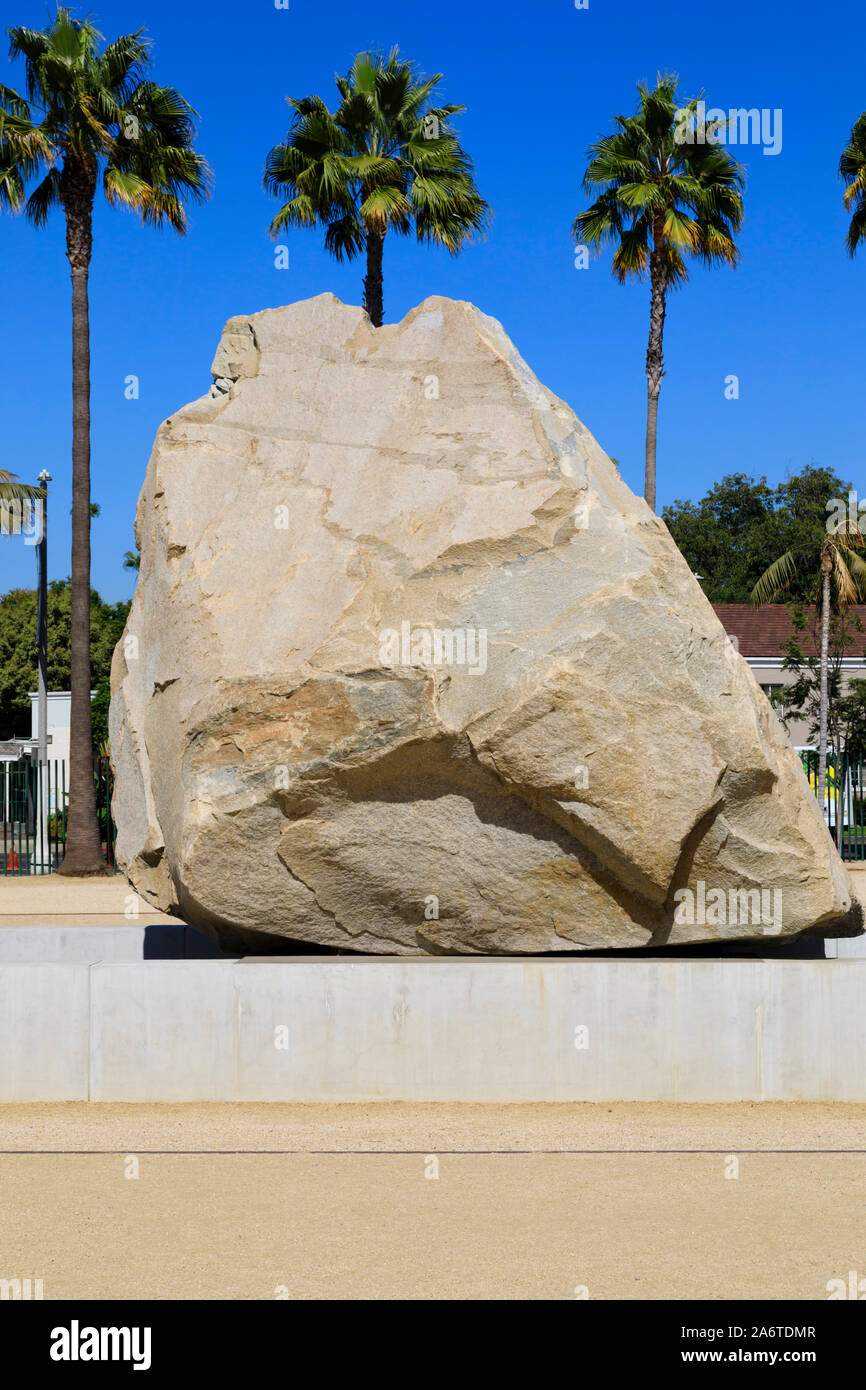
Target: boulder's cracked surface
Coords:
[(410, 669)]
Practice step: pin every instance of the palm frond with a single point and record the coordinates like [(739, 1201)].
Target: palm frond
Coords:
[(846, 588), (852, 170), (45, 196), (775, 579), (12, 490)]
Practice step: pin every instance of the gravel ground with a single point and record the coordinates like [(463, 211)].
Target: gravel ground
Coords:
[(601, 1201), (412, 1128)]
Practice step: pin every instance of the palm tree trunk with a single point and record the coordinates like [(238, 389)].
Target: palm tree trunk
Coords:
[(654, 359), (824, 702), (652, 413), (83, 843), (373, 278)]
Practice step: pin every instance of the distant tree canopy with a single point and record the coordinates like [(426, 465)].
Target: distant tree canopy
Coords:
[(18, 673), (742, 525)]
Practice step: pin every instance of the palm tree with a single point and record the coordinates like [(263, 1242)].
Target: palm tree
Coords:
[(13, 491), (852, 168), (89, 113), (663, 190), (840, 568), (384, 160)]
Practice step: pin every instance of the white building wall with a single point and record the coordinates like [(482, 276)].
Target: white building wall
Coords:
[(58, 723)]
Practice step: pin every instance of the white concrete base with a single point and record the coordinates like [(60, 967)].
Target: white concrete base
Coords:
[(91, 942), (44, 1032), (71, 945), (846, 948), (436, 1029)]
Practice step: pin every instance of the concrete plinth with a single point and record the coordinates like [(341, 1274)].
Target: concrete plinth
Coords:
[(436, 1029)]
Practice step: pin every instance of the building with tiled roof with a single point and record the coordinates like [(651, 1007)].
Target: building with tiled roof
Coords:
[(761, 635)]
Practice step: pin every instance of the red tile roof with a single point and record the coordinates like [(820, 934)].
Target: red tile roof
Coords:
[(764, 631)]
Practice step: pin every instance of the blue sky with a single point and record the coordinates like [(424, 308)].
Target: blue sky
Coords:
[(540, 82)]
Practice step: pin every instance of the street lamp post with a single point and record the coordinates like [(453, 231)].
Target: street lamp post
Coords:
[(42, 624)]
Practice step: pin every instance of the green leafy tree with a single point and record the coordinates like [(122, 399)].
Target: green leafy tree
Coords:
[(90, 115), (18, 672), (385, 160), (852, 170), (663, 191), (727, 536), (731, 535)]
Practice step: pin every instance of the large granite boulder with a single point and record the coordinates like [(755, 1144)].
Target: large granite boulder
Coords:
[(410, 669)]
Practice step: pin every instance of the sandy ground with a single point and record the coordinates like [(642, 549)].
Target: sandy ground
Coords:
[(51, 900), (340, 1202), (385, 1128)]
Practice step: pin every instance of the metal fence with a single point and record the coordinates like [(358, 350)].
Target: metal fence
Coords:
[(844, 808), (33, 808)]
